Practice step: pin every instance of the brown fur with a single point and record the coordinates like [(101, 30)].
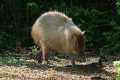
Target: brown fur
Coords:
[(78, 43), (55, 31)]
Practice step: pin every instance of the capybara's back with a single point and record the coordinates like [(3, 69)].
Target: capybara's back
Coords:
[(55, 31)]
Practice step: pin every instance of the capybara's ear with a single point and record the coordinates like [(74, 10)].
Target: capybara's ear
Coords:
[(83, 32)]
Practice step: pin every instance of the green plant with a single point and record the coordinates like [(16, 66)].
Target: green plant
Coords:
[(117, 67), (102, 28), (34, 49)]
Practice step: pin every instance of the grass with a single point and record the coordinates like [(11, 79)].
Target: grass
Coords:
[(11, 60)]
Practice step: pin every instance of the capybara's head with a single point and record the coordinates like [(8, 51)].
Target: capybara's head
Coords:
[(81, 43)]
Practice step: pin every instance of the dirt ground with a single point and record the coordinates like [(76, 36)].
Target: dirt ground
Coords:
[(24, 68)]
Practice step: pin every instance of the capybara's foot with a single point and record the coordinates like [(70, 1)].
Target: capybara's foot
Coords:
[(45, 62)]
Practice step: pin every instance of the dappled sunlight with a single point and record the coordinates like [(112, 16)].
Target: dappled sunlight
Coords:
[(22, 68)]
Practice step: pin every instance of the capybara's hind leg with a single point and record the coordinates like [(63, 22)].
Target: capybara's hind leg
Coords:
[(44, 54)]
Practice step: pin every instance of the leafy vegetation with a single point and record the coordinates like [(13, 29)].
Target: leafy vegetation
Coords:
[(101, 25), (99, 18), (117, 67)]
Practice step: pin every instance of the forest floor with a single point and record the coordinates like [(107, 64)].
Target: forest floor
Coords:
[(14, 67)]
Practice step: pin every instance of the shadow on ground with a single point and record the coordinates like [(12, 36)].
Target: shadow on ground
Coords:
[(92, 69)]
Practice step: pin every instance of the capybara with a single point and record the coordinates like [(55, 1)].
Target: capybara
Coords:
[(54, 31)]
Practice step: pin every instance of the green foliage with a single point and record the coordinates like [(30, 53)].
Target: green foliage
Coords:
[(118, 6), (11, 60), (102, 28), (112, 42), (6, 40), (117, 67), (34, 49), (33, 7)]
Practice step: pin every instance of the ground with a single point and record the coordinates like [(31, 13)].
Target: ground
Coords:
[(17, 67)]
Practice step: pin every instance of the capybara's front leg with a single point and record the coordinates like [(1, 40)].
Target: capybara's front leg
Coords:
[(39, 57), (73, 61)]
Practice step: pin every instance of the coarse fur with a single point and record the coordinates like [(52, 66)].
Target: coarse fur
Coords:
[(55, 31)]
